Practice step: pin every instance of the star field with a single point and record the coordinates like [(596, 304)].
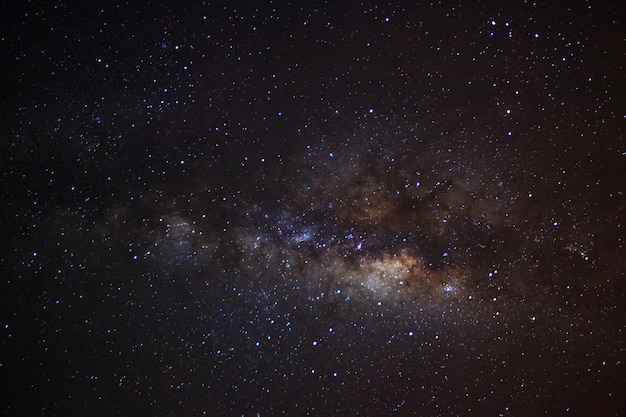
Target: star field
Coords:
[(291, 208)]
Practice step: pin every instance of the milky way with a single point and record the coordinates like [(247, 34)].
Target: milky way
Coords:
[(355, 225), (288, 209)]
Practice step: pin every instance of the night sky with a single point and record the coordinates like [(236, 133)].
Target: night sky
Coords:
[(313, 208)]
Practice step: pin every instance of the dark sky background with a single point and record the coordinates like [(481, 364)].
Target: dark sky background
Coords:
[(313, 208)]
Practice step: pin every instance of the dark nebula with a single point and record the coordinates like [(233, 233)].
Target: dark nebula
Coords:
[(305, 208)]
